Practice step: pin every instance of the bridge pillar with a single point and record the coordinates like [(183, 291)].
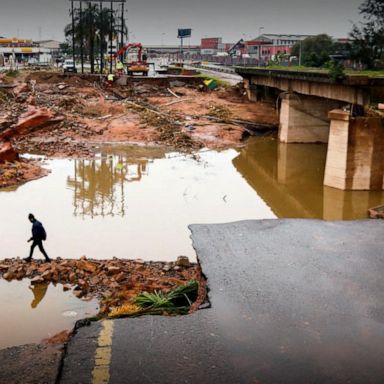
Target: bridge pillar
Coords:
[(346, 205), (355, 158), (304, 119), (251, 90)]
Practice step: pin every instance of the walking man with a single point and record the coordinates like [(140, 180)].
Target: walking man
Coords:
[(38, 235)]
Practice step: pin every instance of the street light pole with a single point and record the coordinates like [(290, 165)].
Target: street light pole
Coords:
[(300, 52), (260, 29)]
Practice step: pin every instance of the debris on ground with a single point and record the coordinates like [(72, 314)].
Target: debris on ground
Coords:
[(114, 282), (57, 115)]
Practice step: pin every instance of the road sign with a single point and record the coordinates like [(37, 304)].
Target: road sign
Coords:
[(182, 33)]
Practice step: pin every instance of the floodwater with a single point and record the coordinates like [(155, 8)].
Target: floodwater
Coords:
[(128, 206), (133, 202), (289, 179), (29, 315)]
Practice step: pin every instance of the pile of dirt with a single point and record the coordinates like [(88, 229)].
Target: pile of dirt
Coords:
[(114, 282)]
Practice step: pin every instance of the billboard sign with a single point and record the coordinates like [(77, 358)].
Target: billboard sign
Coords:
[(183, 32)]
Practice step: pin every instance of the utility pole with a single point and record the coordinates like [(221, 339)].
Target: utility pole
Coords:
[(122, 31), (91, 40), (81, 38), (101, 20), (73, 34), (110, 38)]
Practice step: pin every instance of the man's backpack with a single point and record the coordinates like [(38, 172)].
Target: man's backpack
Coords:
[(43, 233)]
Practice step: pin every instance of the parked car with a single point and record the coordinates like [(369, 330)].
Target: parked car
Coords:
[(69, 66)]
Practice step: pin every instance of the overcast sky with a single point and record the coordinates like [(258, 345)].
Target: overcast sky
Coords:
[(230, 19)]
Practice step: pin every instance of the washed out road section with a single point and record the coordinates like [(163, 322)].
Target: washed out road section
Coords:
[(293, 301)]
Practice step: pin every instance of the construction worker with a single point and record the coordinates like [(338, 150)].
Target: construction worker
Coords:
[(110, 79), (120, 68)]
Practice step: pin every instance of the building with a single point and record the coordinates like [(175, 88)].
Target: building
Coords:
[(53, 45), (22, 50), (265, 47), (211, 46)]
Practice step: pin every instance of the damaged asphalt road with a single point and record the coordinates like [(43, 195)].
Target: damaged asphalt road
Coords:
[(293, 301)]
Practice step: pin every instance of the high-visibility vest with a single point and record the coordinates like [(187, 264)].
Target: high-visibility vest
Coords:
[(110, 77)]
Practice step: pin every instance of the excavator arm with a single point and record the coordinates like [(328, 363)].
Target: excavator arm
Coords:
[(129, 46)]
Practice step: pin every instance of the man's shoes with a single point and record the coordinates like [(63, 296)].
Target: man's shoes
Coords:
[(28, 259), (48, 260)]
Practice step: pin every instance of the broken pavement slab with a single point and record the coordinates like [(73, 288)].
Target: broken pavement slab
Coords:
[(80, 355), (293, 302), (30, 364)]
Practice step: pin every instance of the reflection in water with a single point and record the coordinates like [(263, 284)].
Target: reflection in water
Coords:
[(289, 178), (99, 185), (23, 322), (39, 291)]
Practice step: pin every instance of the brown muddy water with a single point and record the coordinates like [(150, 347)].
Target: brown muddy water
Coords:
[(134, 202), (30, 314)]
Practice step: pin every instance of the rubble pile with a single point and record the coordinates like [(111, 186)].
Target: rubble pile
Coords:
[(114, 282)]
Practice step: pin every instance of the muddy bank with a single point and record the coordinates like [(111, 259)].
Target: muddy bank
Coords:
[(20, 172), (115, 283), (60, 115)]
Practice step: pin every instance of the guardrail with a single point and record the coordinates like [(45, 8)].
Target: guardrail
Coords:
[(222, 69)]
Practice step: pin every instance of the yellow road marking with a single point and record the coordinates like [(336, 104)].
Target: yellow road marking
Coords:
[(100, 373)]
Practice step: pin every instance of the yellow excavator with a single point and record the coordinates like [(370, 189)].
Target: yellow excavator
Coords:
[(134, 67)]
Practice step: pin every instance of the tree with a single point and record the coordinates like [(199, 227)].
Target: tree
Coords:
[(368, 36), (315, 51), (65, 48), (92, 29)]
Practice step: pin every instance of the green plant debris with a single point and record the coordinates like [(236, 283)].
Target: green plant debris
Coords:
[(180, 297)]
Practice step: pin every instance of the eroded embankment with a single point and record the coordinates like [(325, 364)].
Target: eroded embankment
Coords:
[(115, 283), (71, 116)]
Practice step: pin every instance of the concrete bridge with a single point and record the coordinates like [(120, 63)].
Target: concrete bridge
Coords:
[(313, 108)]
